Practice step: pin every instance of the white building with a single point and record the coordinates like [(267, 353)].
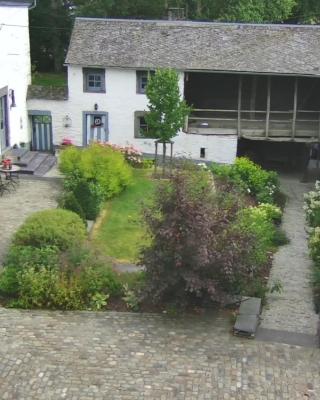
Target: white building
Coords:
[(258, 82), (15, 72)]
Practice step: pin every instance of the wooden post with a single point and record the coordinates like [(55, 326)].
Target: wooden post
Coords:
[(164, 147), (171, 156), (253, 96), (156, 158), (239, 104), (268, 106), (295, 103)]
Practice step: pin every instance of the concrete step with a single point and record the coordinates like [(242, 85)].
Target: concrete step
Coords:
[(16, 154), (34, 164), (46, 165), (26, 158)]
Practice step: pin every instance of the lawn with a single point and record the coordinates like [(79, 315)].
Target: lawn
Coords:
[(121, 232), (49, 79)]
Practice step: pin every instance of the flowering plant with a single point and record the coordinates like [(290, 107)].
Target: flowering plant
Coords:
[(131, 154), (312, 206), (66, 142)]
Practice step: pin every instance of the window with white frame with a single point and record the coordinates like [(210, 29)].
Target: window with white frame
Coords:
[(94, 80)]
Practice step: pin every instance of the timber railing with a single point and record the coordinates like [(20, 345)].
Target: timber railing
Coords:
[(265, 124)]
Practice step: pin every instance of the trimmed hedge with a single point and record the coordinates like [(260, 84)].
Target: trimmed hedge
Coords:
[(60, 228)]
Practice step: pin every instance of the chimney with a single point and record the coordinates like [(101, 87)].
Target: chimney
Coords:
[(176, 14)]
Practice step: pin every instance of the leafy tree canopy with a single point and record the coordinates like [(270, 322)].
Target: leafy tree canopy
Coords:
[(167, 110)]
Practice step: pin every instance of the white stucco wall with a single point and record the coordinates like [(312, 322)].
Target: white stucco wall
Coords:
[(120, 102), (15, 68)]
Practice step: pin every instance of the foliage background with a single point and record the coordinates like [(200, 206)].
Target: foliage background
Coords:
[(51, 20)]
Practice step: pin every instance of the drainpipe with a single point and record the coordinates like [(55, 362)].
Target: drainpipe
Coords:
[(34, 5)]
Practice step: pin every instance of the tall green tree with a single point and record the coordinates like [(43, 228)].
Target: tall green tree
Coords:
[(255, 10), (167, 110), (50, 27)]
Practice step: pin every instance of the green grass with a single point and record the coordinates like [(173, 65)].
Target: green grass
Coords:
[(121, 232), (49, 79)]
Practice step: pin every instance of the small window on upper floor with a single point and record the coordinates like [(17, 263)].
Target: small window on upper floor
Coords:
[(142, 81), (94, 80)]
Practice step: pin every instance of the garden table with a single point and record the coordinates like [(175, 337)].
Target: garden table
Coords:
[(12, 172)]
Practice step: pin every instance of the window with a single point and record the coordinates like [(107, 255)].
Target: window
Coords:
[(142, 80), (94, 80), (140, 126)]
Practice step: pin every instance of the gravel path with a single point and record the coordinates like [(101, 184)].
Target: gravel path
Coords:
[(293, 309), (30, 196)]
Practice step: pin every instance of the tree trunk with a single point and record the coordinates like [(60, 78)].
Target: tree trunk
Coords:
[(164, 145)]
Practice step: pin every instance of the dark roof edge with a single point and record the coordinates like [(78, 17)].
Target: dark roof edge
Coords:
[(199, 23), (209, 71), (19, 3)]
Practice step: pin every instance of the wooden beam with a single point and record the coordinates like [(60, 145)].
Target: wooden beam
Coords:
[(253, 96), (239, 104), (295, 104), (268, 106)]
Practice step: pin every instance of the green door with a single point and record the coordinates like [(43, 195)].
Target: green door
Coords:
[(41, 133)]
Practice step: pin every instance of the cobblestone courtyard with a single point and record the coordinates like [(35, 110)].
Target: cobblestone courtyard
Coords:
[(30, 196), (82, 356)]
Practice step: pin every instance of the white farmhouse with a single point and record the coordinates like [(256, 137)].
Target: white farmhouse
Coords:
[(245, 82), (15, 72)]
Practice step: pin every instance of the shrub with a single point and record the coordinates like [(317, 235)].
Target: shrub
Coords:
[(250, 178), (314, 245), (195, 254), (47, 288), (90, 198), (258, 222), (68, 201), (89, 288), (94, 174), (98, 164), (60, 228), (316, 286), (312, 206), (22, 257)]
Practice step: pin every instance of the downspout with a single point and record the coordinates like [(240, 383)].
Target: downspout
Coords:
[(34, 5)]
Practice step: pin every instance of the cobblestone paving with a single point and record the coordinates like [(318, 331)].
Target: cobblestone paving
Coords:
[(30, 196), (293, 309), (85, 356)]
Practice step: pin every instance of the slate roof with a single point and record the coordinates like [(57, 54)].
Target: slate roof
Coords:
[(192, 46)]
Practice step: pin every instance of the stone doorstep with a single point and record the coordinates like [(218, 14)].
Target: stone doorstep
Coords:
[(285, 337)]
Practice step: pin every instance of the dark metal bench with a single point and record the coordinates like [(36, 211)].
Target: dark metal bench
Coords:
[(248, 318)]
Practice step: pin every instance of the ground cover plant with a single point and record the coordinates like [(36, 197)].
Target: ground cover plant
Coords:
[(121, 232), (312, 210), (49, 79)]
